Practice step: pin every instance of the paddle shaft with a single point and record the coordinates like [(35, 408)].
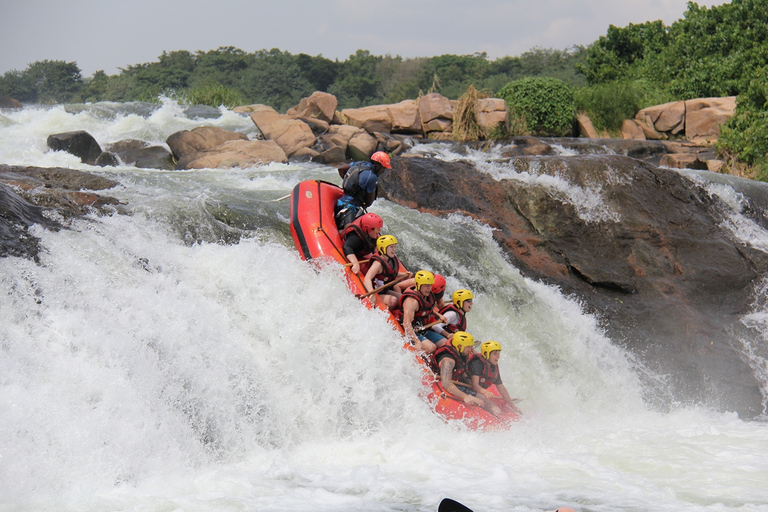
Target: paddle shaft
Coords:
[(384, 287)]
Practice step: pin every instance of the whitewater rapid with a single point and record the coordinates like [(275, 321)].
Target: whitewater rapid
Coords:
[(183, 357)]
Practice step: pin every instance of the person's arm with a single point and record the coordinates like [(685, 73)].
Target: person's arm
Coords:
[(446, 373), (343, 170), (410, 305), (373, 271), (505, 395), (352, 244), (451, 317)]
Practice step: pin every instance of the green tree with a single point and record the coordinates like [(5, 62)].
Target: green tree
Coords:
[(18, 85), (357, 82), (318, 71), (274, 79)]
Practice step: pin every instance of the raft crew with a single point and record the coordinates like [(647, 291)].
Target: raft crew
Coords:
[(451, 364), (385, 268), (455, 313), (360, 187), (360, 239), (483, 371), (415, 307)]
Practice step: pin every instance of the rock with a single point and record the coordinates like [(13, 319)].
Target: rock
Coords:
[(290, 134), (669, 117), (405, 117), (492, 113), (106, 159), (6, 102), (305, 155), (235, 153), (704, 116), (202, 112), (435, 107), (318, 126), (650, 258), (361, 146), (716, 166), (79, 143), (140, 154), (649, 132), (586, 128), (320, 105), (525, 146), (370, 119), (683, 161), (333, 155), (186, 143), (631, 130)]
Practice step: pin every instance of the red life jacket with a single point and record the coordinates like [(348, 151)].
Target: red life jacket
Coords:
[(389, 270), (426, 305), (448, 350), (462, 325), (369, 244), (490, 371)]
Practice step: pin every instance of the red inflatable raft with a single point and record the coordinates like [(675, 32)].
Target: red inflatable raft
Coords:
[(316, 237)]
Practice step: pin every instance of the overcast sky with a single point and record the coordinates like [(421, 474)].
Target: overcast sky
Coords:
[(110, 34)]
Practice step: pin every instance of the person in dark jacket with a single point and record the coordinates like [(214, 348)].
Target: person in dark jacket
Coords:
[(360, 187)]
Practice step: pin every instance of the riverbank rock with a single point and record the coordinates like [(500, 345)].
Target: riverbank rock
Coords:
[(290, 134), (235, 153), (650, 255), (186, 143), (7, 102), (38, 195)]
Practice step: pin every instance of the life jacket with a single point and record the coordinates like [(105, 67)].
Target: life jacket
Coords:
[(426, 304), (389, 270), (369, 244), (448, 350), (353, 192), (462, 325), (490, 371)]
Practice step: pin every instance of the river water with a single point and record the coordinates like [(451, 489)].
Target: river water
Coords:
[(180, 356)]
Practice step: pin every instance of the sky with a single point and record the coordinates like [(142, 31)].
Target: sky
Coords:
[(111, 35)]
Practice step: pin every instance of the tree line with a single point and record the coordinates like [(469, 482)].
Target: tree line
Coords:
[(717, 51), (280, 79)]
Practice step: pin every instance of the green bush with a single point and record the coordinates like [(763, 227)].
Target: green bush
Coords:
[(546, 104), (743, 139), (609, 104), (213, 96)]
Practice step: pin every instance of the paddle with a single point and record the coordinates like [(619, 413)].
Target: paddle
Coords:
[(281, 198), (360, 262), (383, 287), (449, 505), (494, 396), (431, 324)]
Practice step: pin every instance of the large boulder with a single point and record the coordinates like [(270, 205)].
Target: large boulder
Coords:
[(704, 116), (235, 153), (79, 143), (586, 128), (290, 134), (139, 153), (492, 113), (371, 119), (320, 105), (631, 130), (435, 112), (668, 117), (651, 259), (186, 143), (6, 102), (405, 117), (361, 146)]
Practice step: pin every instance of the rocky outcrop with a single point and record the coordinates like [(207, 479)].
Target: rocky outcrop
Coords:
[(290, 134), (26, 193), (699, 120), (651, 257), (186, 143), (6, 102), (236, 153), (140, 154), (79, 143)]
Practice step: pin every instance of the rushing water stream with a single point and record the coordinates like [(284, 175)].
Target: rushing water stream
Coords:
[(183, 357)]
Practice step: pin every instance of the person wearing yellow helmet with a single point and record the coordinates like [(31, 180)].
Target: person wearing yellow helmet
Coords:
[(455, 313), (483, 370), (385, 268), (451, 365), (360, 187), (414, 309)]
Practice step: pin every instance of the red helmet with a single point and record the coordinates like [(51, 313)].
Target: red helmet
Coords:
[(439, 285), (369, 222), (382, 158)]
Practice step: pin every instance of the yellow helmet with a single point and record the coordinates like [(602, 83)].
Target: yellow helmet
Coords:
[(460, 296), (424, 277), (462, 339), (383, 242), (489, 346)]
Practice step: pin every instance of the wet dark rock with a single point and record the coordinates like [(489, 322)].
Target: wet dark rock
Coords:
[(37, 195), (646, 252), (140, 154), (202, 112), (79, 143)]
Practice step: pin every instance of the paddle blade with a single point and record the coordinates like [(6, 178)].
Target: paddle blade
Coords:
[(449, 505)]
